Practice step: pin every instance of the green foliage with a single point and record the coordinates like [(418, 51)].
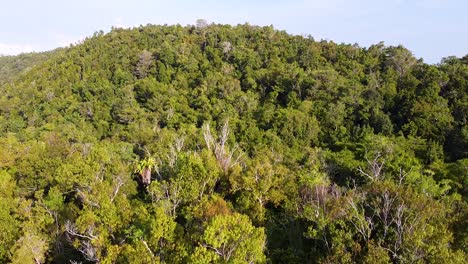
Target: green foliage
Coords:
[(231, 144), (230, 238), (12, 66), (9, 224)]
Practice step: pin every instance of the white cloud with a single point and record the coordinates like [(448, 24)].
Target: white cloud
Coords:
[(55, 40), (14, 49)]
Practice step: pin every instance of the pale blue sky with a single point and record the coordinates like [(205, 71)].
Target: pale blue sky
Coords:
[(431, 29)]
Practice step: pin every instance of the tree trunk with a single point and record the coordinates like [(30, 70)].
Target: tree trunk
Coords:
[(146, 176)]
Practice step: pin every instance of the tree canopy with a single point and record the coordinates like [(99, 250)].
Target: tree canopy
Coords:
[(232, 144)]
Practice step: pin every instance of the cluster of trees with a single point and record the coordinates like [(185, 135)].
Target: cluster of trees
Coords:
[(233, 144), (12, 66)]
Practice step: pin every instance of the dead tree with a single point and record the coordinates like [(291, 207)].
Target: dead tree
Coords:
[(224, 155), (374, 168)]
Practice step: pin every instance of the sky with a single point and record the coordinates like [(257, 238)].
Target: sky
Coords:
[(431, 29)]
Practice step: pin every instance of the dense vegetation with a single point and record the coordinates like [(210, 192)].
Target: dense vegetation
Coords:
[(12, 66), (222, 144)]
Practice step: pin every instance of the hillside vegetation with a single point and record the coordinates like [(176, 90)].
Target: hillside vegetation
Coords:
[(12, 66), (233, 144)]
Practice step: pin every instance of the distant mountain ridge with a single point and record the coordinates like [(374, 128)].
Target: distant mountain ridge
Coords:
[(11, 66)]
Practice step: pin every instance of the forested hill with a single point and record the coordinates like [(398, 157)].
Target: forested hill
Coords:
[(233, 144), (12, 66)]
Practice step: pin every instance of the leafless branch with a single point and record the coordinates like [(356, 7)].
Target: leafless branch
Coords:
[(70, 228), (119, 183), (147, 248), (375, 168), (88, 251), (226, 158)]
